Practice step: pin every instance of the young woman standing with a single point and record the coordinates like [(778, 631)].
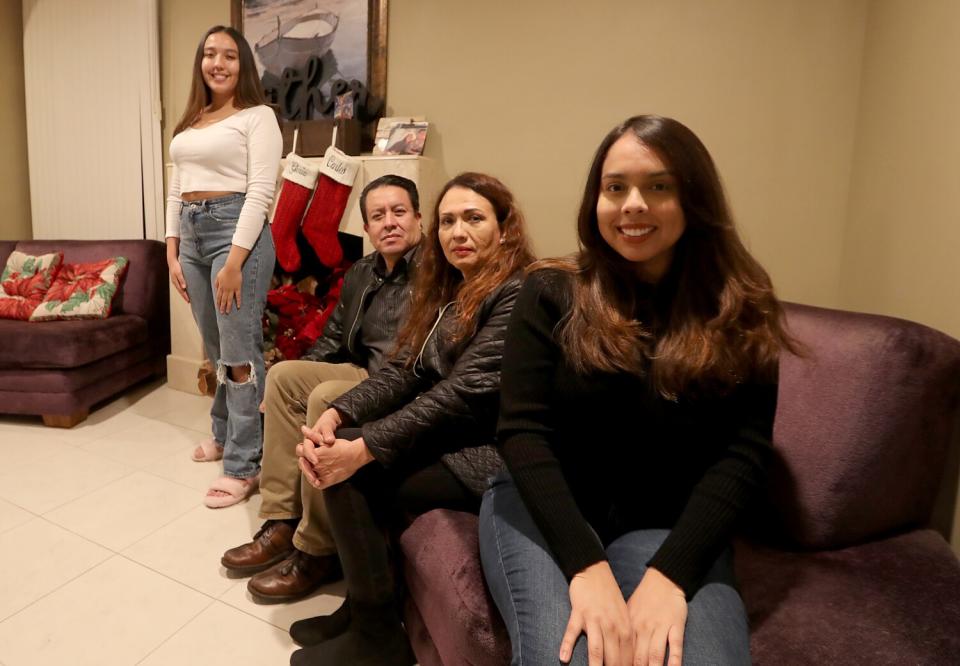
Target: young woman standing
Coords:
[(226, 152)]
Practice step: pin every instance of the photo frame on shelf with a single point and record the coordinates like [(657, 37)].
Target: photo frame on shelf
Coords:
[(400, 135), (332, 48), (406, 139)]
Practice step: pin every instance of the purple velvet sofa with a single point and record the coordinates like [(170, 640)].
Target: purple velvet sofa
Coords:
[(845, 561), (59, 369)]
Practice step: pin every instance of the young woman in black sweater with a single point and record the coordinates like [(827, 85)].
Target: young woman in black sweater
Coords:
[(638, 393)]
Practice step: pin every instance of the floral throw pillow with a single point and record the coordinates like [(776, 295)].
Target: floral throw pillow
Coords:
[(82, 291), (24, 282)]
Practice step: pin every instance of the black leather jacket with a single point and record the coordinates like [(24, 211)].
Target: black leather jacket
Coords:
[(446, 405), (340, 340)]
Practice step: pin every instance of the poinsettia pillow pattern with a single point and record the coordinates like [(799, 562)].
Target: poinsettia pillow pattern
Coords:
[(24, 282), (82, 291)]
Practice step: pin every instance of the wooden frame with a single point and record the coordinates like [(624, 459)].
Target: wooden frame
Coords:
[(376, 43)]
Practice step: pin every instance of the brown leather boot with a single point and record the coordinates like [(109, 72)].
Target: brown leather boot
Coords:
[(272, 544), (294, 578)]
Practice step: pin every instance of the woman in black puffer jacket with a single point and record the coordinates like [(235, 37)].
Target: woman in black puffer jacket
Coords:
[(424, 424)]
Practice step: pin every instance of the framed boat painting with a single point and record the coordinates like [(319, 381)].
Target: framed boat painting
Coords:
[(322, 47)]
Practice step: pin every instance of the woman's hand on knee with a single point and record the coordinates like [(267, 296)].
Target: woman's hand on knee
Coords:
[(228, 285), (658, 613), (599, 611)]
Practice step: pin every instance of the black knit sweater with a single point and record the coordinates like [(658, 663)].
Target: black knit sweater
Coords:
[(607, 451)]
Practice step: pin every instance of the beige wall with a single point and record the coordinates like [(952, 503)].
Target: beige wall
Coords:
[(903, 232), (526, 90), (182, 23), (902, 238), (526, 93), (14, 177)]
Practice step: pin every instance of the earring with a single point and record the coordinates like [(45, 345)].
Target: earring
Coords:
[(502, 240)]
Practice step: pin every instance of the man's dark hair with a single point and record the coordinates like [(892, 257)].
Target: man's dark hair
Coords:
[(388, 181)]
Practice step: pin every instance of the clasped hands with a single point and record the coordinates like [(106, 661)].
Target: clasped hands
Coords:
[(636, 632), (325, 460)]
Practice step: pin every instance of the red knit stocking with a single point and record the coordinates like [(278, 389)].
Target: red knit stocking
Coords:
[(322, 220), (299, 177)]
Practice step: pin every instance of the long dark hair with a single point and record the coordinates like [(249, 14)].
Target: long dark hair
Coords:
[(437, 282), (248, 93), (722, 322)]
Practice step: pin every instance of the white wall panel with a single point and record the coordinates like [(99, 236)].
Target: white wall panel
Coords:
[(86, 66)]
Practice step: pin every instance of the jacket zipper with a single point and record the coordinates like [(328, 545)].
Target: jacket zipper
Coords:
[(356, 318), (433, 328)]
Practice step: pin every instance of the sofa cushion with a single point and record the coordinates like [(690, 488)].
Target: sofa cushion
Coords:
[(893, 601), (82, 291), (444, 577), (24, 281), (67, 344), (142, 292)]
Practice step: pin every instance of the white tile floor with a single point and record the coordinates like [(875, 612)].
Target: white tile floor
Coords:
[(108, 556)]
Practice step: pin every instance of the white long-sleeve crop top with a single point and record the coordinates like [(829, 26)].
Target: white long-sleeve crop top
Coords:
[(240, 153)]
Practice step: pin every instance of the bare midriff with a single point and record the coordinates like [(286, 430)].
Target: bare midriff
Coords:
[(199, 196)]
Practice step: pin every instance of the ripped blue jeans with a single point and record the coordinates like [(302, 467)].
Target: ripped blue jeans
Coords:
[(233, 339)]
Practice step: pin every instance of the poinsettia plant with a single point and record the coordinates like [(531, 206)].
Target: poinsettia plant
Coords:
[(296, 313)]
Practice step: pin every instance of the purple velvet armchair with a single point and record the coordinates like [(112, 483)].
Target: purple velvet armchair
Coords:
[(845, 560), (59, 369)]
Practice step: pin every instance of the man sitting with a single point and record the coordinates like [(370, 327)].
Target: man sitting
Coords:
[(293, 553)]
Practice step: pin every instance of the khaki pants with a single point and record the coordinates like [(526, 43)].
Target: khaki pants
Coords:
[(296, 393)]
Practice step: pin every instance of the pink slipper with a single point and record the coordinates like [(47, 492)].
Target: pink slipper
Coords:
[(210, 451), (236, 491)]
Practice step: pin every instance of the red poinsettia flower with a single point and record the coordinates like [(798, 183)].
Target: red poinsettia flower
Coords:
[(11, 285), (312, 328), (15, 307), (77, 277), (287, 343), (32, 287), (286, 301)]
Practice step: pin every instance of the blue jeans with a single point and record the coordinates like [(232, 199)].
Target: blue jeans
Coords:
[(533, 594), (235, 338)]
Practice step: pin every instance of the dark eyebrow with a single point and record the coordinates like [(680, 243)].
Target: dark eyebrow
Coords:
[(655, 174)]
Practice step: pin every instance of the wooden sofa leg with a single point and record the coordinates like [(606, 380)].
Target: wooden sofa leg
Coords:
[(65, 420)]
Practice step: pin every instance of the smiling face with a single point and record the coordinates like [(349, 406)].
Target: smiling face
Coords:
[(468, 230), (638, 210), (220, 65), (392, 224)]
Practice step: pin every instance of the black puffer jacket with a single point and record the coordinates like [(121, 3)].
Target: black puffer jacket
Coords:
[(446, 405)]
